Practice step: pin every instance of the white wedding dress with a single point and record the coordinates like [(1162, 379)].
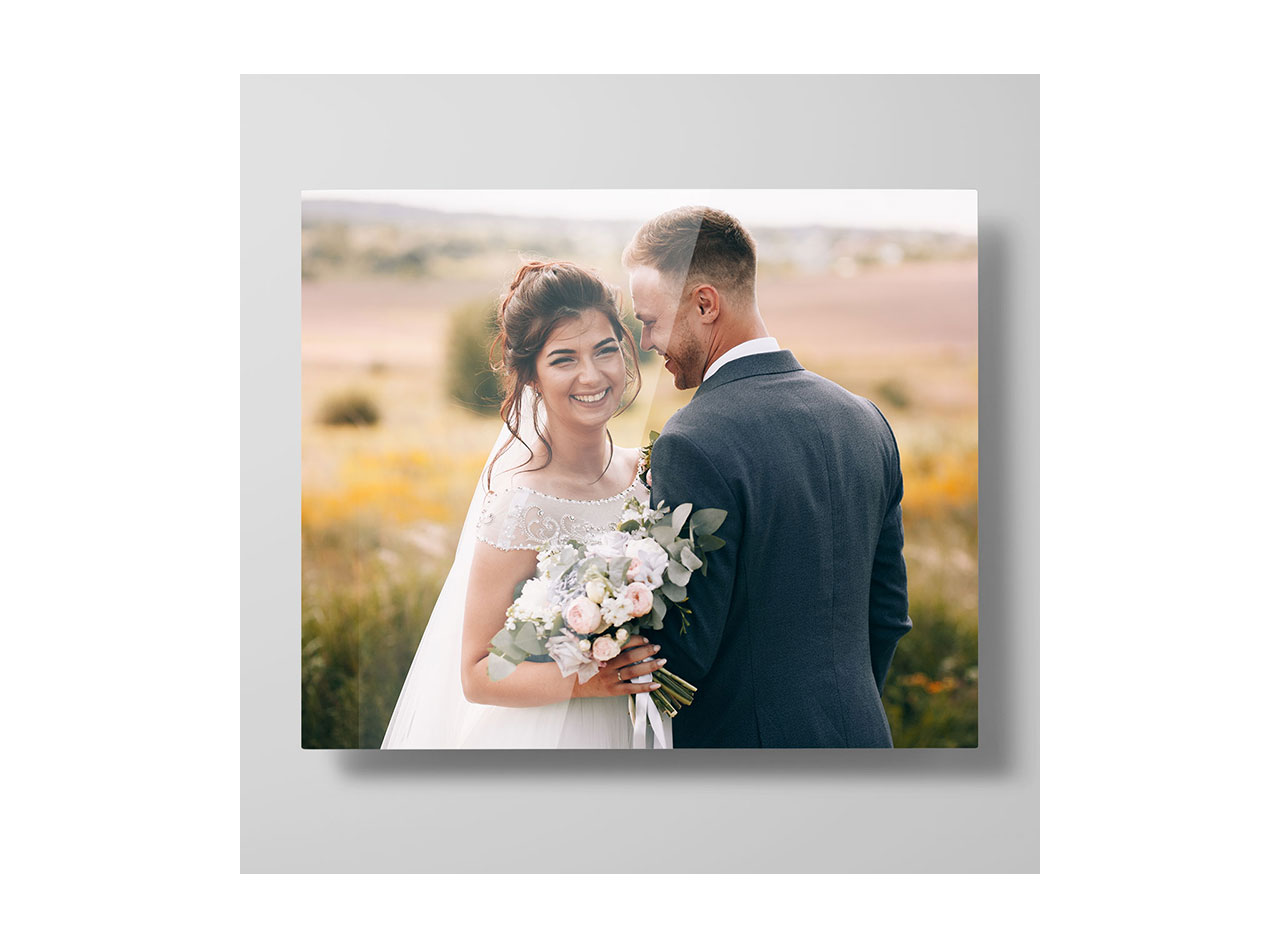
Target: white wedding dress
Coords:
[(432, 711)]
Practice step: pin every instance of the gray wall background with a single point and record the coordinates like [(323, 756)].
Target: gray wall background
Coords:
[(969, 810)]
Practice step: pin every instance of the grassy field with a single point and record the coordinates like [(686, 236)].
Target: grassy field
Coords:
[(382, 504)]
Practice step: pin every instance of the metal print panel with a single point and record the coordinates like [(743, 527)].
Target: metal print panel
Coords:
[(639, 469)]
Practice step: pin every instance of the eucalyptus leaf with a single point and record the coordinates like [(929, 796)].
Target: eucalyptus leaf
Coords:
[(527, 639), (499, 667), (659, 609), (709, 543), (504, 640), (679, 516), (689, 559), (673, 592), (678, 573), (708, 520), (664, 535)]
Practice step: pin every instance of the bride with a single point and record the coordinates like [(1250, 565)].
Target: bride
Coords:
[(567, 362)]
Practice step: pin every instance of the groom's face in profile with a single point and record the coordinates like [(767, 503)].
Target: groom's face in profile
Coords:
[(666, 326)]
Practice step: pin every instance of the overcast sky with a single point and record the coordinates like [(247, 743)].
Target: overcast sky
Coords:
[(950, 211)]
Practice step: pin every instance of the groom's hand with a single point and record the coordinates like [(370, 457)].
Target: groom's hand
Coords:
[(614, 676)]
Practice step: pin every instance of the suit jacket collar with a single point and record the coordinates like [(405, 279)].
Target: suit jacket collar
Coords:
[(762, 363)]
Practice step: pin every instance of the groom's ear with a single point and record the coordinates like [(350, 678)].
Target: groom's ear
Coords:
[(707, 299)]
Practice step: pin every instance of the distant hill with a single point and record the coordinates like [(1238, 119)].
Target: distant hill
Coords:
[(364, 212), (386, 239), (370, 212)]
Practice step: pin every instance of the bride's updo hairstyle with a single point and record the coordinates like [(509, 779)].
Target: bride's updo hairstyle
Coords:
[(541, 297)]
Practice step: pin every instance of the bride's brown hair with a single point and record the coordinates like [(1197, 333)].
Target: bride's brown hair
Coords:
[(541, 297)]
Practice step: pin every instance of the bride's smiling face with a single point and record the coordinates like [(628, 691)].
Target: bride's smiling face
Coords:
[(581, 372)]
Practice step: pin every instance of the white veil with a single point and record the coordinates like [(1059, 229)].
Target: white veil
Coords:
[(432, 711)]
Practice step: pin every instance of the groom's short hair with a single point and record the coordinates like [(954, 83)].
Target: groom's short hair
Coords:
[(697, 245)]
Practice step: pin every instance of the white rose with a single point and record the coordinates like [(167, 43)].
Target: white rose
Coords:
[(595, 591), (648, 562), (608, 545), (572, 656), (534, 597), (615, 612)]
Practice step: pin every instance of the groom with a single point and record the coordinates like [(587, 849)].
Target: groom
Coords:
[(795, 623)]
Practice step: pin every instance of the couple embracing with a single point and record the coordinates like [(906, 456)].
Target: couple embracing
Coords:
[(795, 622)]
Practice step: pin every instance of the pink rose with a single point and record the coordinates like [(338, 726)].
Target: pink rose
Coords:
[(583, 615), (605, 648), (638, 598)]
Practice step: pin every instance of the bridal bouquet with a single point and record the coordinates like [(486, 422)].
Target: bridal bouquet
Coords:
[(588, 599)]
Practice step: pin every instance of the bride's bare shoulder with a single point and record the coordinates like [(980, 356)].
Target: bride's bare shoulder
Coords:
[(632, 458), (510, 469)]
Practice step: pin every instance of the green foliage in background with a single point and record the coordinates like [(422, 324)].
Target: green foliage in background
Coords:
[(468, 379), (892, 393), (350, 408), (633, 325), (359, 634), (931, 694)]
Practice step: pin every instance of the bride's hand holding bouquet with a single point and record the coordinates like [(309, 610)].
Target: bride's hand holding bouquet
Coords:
[(614, 678), (588, 603)]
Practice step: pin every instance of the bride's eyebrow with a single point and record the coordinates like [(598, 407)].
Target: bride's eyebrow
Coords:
[(603, 342)]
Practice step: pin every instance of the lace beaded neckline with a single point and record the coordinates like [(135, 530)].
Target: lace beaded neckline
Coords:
[(569, 500), (521, 518)]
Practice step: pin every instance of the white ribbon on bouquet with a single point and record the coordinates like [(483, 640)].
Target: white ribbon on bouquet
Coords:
[(645, 712), (565, 652)]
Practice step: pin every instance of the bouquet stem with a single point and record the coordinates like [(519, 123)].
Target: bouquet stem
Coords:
[(668, 677), (675, 691), (664, 705)]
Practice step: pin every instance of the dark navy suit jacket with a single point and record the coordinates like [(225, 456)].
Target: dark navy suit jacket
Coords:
[(795, 624)]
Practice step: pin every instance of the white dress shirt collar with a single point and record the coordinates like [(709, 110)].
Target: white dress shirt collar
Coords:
[(750, 347)]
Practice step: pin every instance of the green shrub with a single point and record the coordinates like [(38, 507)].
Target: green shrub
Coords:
[(893, 393), (408, 263), (349, 408), (931, 694), (468, 379)]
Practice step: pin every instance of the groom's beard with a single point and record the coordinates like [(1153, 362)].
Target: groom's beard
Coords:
[(684, 359)]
